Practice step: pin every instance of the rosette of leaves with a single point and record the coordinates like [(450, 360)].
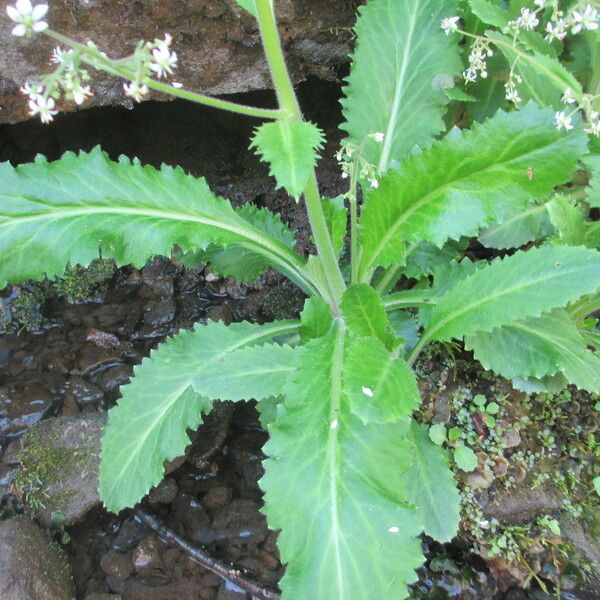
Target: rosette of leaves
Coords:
[(351, 479)]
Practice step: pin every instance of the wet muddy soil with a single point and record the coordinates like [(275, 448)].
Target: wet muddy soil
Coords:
[(79, 351)]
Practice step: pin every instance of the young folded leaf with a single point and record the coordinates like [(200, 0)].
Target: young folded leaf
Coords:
[(574, 229), (291, 148), (525, 284), (149, 423), (365, 314), (461, 184), (70, 210), (346, 531), (401, 65), (380, 387), (538, 347)]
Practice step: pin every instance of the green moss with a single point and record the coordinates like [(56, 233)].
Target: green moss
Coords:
[(41, 464), (283, 303), (79, 284)]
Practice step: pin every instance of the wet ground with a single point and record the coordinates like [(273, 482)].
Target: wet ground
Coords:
[(80, 352)]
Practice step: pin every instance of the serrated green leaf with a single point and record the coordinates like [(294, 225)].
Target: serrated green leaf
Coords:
[(521, 228), (525, 284), (240, 261), (539, 347), (70, 210), (430, 485), (401, 65), (316, 318), (462, 184), (336, 217), (489, 91), (349, 534), (291, 148), (489, 13), (455, 93), (574, 229), (249, 6), (365, 314), (380, 387), (149, 423), (465, 459), (544, 79), (592, 163), (422, 259)]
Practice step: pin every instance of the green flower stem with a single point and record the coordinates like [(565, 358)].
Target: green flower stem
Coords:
[(289, 105), (95, 59)]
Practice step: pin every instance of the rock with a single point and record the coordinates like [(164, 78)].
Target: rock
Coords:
[(217, 43), (21, 407), (129, 535), (240, 519), (59, 467), (117, 564), (164, 493), (146, 557), (522, 505), (190, 514), (247, 456), (32, 567), (587, 545), (97, 596), (216, 497), (230, 591)]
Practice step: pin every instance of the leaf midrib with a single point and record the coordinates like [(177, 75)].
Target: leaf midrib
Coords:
[(257, 336), (276, 251), (384, 240), (490, 298)]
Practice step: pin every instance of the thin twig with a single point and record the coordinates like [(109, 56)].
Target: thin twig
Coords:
[(199, 555)]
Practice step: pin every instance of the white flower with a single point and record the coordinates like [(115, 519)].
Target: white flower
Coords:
[(59, 55), (563, 121), (594, 125), (586, 19), (513, 96), (470, 75), (345, 175), (528, 19), (42, 106), (28, 17), (450, 24), (540, 3), (557, 30), (164, 60), (379, 137), (568, 97), (135, 90), (80, 93), (33, 90), (374, 183)]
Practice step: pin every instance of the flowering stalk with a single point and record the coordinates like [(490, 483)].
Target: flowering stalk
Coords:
[(289, 104)]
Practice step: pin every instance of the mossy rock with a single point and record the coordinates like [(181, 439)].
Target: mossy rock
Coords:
[(32, 567), (59, 460)]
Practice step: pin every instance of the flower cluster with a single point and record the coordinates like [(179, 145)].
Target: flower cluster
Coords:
[(351, 160), (480, 52), (150, 58), (577, 19), (28, 18), (573, 104)]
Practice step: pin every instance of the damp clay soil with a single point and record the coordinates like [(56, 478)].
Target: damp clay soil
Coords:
[(69, 346)]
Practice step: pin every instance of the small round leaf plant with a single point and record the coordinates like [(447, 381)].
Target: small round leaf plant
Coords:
[(463, 130)]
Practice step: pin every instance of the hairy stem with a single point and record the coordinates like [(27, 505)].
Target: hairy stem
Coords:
[(95, 59), (288, 103)]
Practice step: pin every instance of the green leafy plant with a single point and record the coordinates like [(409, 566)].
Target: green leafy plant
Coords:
[(351, 479)]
